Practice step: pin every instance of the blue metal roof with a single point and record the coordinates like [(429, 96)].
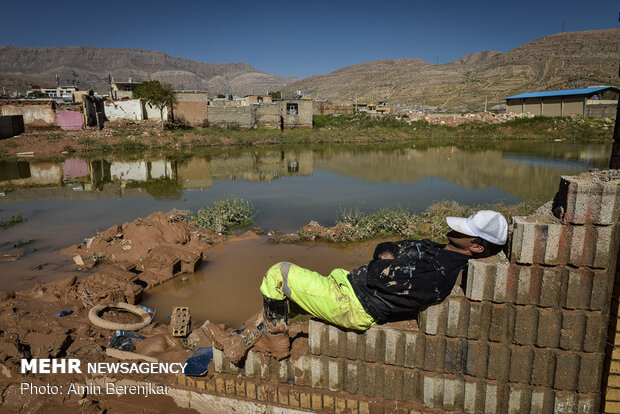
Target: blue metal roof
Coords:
[(584, 91)]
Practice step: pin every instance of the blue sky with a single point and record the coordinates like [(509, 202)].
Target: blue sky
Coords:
[(301, 38)]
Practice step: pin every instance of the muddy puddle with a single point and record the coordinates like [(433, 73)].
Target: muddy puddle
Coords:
[(226, 287)]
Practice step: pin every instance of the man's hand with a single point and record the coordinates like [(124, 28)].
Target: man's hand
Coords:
[(386, 256)]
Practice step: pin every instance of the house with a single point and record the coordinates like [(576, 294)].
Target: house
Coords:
[(65, 93), (256, 99), (120, 90), (590, 102), (191, 107)]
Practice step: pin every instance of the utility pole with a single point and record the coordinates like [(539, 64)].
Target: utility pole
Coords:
[(486, 101)]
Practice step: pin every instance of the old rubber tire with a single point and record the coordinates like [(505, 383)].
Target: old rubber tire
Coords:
[(98, 321)]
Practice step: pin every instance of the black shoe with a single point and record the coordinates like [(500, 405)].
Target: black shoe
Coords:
[(275, 310)]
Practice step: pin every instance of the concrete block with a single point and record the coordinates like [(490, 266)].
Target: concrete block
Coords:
[(551, 286), (319, 372), (252, 363), (414, 350), (596, 332), (602, 282), (351, 376), (566, 371), (352, 344), (334, 340), (590, 373), (372, 345), (543, 367), (519, 399), (335, 370), (543, 401), (453, 393), (434, 318), (393, 383), (549, 327), (434, 353), (589, 199), (412, 391), (526, 325), (458, 317), (479, 320), (373, 380), (394, 346), (491, 399), (482, 279), (573, 330), (579, 288), (432, 390), (502, 323), (455, 356), (565, 403), (593, 246), (316, 334), (528, 290), (521, 360), (499, 361), (588, 404), (475, 395), (477, 359)]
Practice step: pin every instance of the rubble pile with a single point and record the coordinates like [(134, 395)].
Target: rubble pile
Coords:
[(455, 120)]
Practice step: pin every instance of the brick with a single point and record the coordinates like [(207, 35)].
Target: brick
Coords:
[(433, 319), (565, 403), (590, 373), (455, 356), (543, 367), (519, 399), (316, 334), (453, 393), (364, 408), (319, 372), (505, 284), (352, 406), (612, 407), (393, 383), (373, 380), (613, 394), (372, 347), (305, 400), (593, 246), (319, 401), (293, 398), (491, 399), (220, 387), (432, 390), (240, 388), (551, 286), (549, 327), (411, 385), (528, 285), (543, 401), (475, 397), (479, 320), (340, 405), (351, 344), (526, 325), (250, 390), (587, 201), (335, 368), (414, 350), (434, 353), (502, 323), (352, 376), (588, 404), (523, 241), (477, 359), (333, 338), (601, 287), (481, 279), (521, 360), (595, 335), (499, 360), (230, 386), (283, 395), (573, 330), (211, 385), (394, 346), (566, 371), (579, 288)]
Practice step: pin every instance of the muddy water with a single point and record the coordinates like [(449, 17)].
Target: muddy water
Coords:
[(68, 199), (226, 288)]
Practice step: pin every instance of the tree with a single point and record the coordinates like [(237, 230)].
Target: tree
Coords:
[(275, 95), (37, 94), (159, 95)]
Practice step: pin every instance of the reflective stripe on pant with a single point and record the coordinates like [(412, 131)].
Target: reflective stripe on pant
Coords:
[(330, 298)]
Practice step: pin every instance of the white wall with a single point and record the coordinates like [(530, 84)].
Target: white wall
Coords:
[(131, 109)]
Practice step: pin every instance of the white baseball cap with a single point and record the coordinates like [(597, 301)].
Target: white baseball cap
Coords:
[(486, 224)]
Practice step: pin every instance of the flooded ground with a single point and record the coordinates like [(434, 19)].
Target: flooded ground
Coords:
[(66, 200)]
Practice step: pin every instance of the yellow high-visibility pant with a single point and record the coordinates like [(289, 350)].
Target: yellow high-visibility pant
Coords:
[(330, 298)]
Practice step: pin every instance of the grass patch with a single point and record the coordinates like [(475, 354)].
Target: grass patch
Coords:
[(129, 145), (124, 133), (11, 144), (91, 144), (12, 221), (226, 215), (53, 137)]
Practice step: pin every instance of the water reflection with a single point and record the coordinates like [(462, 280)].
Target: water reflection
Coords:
[(524, 170)]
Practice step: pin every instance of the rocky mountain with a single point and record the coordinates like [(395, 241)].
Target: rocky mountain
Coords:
[(560, 61), (89, 67)]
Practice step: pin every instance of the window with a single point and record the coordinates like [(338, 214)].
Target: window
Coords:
[(291, 109)]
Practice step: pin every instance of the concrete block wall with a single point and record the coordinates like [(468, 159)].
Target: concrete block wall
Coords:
[(224, 117), (531, 333)]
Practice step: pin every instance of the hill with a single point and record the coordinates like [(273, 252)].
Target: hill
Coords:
[(89, 67), (559, 61)]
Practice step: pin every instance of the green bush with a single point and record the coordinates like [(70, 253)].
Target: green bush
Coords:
[(12, 221), (226, 215)]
